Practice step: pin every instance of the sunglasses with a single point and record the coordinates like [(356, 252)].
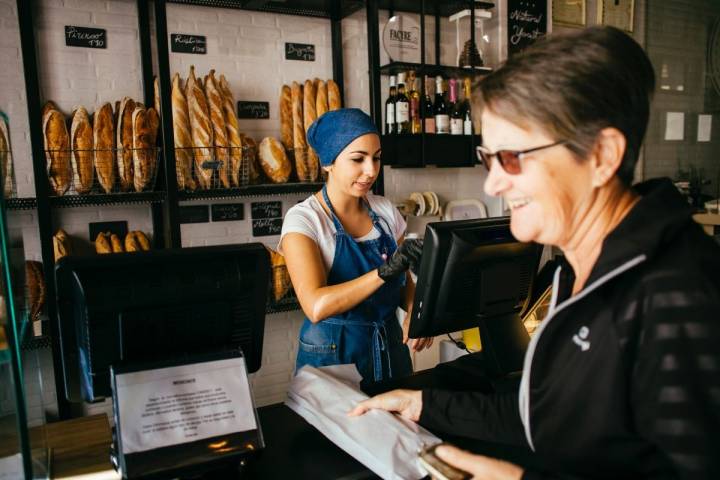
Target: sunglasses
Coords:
[(509, 159)]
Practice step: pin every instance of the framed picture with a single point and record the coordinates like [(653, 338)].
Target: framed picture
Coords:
[(617, 13), (570, 13)]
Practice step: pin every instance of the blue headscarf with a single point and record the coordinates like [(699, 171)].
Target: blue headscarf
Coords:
[(335, 130)]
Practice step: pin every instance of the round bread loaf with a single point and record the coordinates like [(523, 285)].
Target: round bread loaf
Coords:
[(273, 160)]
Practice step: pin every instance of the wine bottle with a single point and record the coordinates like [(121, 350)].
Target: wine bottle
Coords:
[(414, 96), (467, 117), (390, 126), (428, 112), (402, 107), (442, 117), (455, 107)]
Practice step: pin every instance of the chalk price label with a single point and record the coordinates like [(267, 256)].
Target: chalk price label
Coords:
[(182, 43), (85, 37)]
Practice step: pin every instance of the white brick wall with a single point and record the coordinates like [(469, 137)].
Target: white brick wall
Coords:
[(248, 48)]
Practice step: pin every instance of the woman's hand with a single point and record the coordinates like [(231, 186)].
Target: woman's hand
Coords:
[(415, 344), (479, 466), (406, 256), (408, 403)]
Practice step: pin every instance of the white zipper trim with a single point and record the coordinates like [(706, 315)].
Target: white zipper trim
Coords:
[(524, 395)]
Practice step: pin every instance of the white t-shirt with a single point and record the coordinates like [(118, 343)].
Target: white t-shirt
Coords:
[(310, 219)]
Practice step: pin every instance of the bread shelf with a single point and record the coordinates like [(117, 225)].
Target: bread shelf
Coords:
[(108, 199), (394, 68), (285, 305), (444, 8), (36, 343), (304, 8), (27, 203), (251, 191)]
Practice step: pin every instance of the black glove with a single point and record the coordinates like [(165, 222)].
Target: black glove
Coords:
[(406, 256)]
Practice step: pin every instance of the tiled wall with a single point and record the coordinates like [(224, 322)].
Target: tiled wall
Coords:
[(248, 47)]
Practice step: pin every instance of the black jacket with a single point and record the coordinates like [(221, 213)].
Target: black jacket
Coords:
[(621, 380)]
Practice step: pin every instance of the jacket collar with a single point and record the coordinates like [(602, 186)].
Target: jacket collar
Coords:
[(655, 220)]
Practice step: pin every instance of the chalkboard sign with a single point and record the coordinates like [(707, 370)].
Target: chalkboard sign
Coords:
[(226, 212), (264, 227), (85, 37), (182, 43), (253, 109), (194, 214), (266, 210), (527, 21), (299, 51)]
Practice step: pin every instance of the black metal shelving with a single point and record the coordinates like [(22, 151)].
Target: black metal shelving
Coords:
[(251, 191), (433, 70), (26, 203), (136, 198), (304, 8), (443, 8)]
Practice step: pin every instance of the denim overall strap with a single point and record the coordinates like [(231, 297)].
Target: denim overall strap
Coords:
[(341, 270)]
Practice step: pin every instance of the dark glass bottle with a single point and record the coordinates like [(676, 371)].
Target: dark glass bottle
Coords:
[(467, 116), (426, 110), (390, 125), (455, 107), (402, 107), (442, 115)]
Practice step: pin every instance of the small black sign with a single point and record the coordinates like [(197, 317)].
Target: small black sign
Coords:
[(194, 214), (264, 227), (118, 228), (253, 109), (299, 51), (225, 212), (527, 21), (266, 210), (182, 43), (85, 37)]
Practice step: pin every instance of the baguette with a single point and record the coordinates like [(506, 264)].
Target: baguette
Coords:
[(125, 143), (333, 93), (102, 243), (6, 161), (308, 165), (81, 158), (35, 285), (142, 240), (61, 244), (57, 150), (183, 139), (156, 88), (142, 149), (253, 168), (49, 105), (274, 161), (131, 243), (200, 128), (217, 118), (280, 275), (153, 119), (299, 141), (116, 244), (321, 98), (233, 134), (104, 139), (286, 117)]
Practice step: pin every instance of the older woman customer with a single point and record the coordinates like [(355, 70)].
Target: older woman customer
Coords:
[(622, 379)]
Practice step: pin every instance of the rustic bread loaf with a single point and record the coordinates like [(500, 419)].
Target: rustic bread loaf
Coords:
[(183, 139), (233, 134), (35, 287), (104, 139), (273, 160), (217, 119), (131, 243), (142, 240), (286, 117), (333, 93), (116, 244), (57, 150), (61, 244), (250, 149), (201, 129), (124, 142), (81, 158), (102, 243), (321, 98), (142, 149), (6, 162)]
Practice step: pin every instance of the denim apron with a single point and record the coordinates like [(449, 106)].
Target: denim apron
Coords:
[(368, 335)]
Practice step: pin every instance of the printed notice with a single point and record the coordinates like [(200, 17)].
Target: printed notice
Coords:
[(675, 126), (171, 406), (704, 127)]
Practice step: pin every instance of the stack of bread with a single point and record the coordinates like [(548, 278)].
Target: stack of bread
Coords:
[(300, 106), (6, 166), (61, 244), (34, 288), (210, 150), (118, 147), (135, 241)]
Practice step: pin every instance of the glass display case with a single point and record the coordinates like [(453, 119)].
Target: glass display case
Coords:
[(23, 451)]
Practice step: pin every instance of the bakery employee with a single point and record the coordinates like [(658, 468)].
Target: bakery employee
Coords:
[(341, 249)]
